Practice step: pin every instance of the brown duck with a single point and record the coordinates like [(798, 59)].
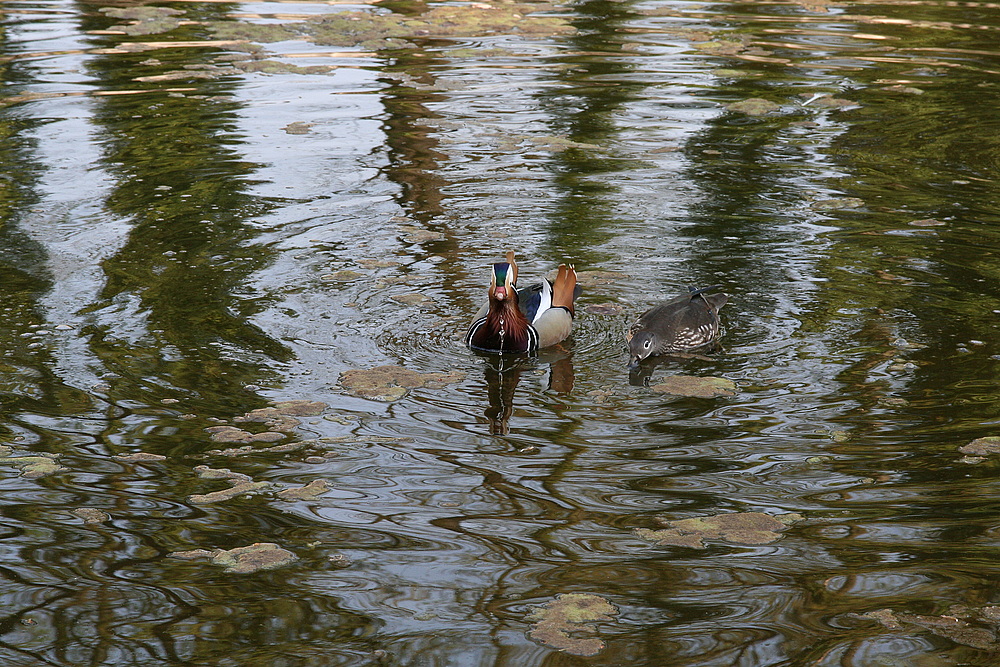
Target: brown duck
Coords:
[(683, 324), (527, 319)]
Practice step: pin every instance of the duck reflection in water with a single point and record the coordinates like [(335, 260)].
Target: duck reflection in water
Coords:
[(503, 374)]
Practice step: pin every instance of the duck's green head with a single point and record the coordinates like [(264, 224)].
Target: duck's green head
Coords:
[(502, 284)]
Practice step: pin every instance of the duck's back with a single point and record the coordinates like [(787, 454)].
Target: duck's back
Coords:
[(684, 323)]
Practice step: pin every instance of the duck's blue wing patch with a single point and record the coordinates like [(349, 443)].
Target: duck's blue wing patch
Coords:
[(529, 299), (535, 299)]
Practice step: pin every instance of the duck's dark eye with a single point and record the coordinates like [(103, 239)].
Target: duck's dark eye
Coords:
[(646, 343)]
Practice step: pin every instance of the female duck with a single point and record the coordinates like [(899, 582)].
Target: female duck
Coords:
[(682, 324), (524, 320)]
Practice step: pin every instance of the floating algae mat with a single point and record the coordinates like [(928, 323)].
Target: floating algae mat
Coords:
[(738, 528), (374, 31), (564, 623), (243, 560)]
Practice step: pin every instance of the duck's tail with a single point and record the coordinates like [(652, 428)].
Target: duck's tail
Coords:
[(564, 288)]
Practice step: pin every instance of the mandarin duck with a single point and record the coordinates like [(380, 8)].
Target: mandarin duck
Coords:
[(527, 319), (682, 324)]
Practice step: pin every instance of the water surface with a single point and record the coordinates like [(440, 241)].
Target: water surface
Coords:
[(179, 211)]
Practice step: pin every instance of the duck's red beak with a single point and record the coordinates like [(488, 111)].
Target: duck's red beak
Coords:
[(500, 293)]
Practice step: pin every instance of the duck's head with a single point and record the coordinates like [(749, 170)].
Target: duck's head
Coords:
[(502, 283), (641, 344)]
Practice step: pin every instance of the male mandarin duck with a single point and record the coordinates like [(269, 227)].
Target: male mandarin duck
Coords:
[(682, 324), (527, 319)]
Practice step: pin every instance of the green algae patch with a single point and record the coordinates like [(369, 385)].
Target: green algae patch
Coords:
[(754, 106), (266, 66), (313, 446), (749, 528), (480, 18), (253, 558), (139, 457), (391, 383), (300, 408), (342, 276), (239, 484), (370, 263), (826, 101), (372, 31), (982, 446), (91, 515), (262, 33), (313, 489), (298, 127), (728, 73), (281, 416), (243, 560), (412, 299), (609, 308), (721, 47), (32, 466), (366, 30), (901, 89), (556, 143), (233, 434), (206, 72), (377, 31), (837, 204), (979, 449), (144, 20), (695, 387), (957, 625), (246, 450), (592, 278), (415, 234), (562, 623)]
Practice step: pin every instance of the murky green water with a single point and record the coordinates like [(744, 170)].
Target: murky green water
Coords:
[(193, 227)]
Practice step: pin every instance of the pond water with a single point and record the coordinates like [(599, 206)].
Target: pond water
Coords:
[(220, 208)]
